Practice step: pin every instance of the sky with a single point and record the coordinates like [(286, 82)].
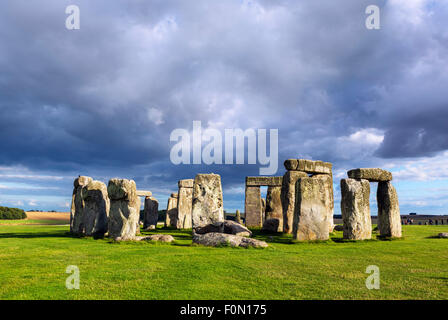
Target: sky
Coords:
[(103, 100)]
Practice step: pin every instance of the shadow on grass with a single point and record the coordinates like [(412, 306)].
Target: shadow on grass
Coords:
[(53, 234)]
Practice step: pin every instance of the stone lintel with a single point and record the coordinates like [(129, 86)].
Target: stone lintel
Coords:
[(371, 174), (264, 181), (308, 166), (143, 193)]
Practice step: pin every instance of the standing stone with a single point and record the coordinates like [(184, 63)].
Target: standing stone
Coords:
[(388, 210), (124, 209), (355, 209), (313, 212), (253, 207), (207, 200), (274, 208), (184, 204), (171, 211), (263, 208), (96, 208), (77, 208), (288, 197), (238, 217), (151, 213)]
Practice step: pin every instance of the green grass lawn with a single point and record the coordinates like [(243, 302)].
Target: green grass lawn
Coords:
[(32, 221), (33, 260)]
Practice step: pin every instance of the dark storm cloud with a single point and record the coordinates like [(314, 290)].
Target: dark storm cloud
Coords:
[(104, 99)]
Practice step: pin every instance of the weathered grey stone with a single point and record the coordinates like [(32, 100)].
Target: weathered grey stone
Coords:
[(443, 235), (274, 209), (355, 209), (174, 195), (186, 183), (227, 226), (308, 166), (288, 197), (184, 204), (371, 174), (314, 166), (238, 217), (389, 219), (151, 213), (338, 227), (156, 237), (124, 209), (253, 207), (272, 225), (313, 214), (264, 181), (291, 164), (77, 208), (214, 239), (207, 200), (143, 193), (96, 208), (171, 211), (263, 209)]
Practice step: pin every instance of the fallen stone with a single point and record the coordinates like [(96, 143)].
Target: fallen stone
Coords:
[(214, 239), (355, 209), (124, 209), (371, 174), (313, 213), (156, 237), (227, 226), (207, 200), (288, 197), (443, 235), (338, 227), (389, 220), (96, 208)]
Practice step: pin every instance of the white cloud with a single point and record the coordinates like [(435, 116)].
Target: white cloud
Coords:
[(156, 116)]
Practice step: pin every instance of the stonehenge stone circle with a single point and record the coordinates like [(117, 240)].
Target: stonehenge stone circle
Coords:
[(313, 209), (296, 169), (96, 208), (253, 205), (151, 213), (184, 204), (124, 209), (171, 211), (274, 208), (207, 205), (355, 209), (389, 220), (77, 207)]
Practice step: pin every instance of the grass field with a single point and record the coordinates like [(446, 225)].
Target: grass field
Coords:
[(33, 260)]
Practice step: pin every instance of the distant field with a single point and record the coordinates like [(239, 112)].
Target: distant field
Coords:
[(33, 260), (41, 218)]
